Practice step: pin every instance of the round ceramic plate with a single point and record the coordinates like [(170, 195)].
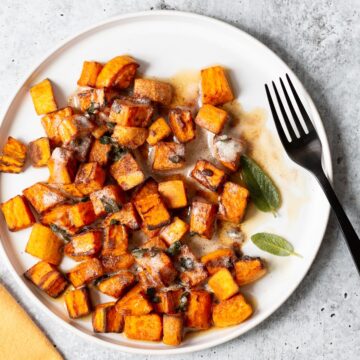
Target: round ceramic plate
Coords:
[(166, 43)]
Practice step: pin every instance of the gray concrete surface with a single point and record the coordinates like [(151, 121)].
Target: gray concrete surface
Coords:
[(320, 41)]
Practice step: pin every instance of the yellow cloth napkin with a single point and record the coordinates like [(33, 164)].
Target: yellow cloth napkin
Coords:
[(20, 338)]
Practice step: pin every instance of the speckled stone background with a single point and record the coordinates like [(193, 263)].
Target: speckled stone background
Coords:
[(319, 39)]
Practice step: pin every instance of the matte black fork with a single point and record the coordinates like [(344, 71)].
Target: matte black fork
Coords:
[(305, 149)]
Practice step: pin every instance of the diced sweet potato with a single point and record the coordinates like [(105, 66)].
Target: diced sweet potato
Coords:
[(154, 90), (47, 278), (73, 127), (182, 124), (9, 165), (107, 200), (85, 272), (223, 285), (39, 152), (80, 147), (84, 245), (130, 137), (43, 97), (13, 156), (116, 285), (127, 172), (248, 270), (150, 233), (90, 177), (131, 112), (81, 214), (208, 175), (42, 197), (144, 327), (215, 87), (198, 313), (174, 193), (100, 153), (88, 100), (168, 156), (115, 263), (150, 187), (211, 118), (62, 166), (127, 216), (89, 73), (45, 245), (59, 217), (106, 319), (118, 72), (68, 190), (115, 240), (175, 231), (231, 312), (218, 259), (167, 301), (202, 219), (17, 213), (155, 242), (173, 329), (228, 151), (78, 303), (100, 130), (233, 202), (158, 130)]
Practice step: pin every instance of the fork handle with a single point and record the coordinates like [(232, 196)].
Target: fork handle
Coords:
[(347, 229)]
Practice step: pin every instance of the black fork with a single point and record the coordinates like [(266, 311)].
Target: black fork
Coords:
[(306, 150)]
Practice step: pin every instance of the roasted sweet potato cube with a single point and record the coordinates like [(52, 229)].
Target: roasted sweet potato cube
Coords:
[(127, 172), (100, 153), (118, 284), (81, 214), (78, 303), (168, 156), (172, 329), (15, 150), (218, 259), (174, 193), (208, 175), (84, 245), (155, 242), (90, 177), (42, 197), (9, 165), (107, 200), (74, 127), (88, 100), (211, 118), (43, 97), (89, 73), (85, 272), (106, 319), (198, 312), (115, 263), (130, 137), (158, 131), (17, 213), (115, 240), (68, 190), (100, 130), (167, 301), (59, 218), (182, 124), (62, 166), (248, 270), (202, 219), (131, 112), (150, 233), (223, 285), (45, 245), (233, 202), (118, 72), (39, 152), (149, 187), (215, 87), (228, 151), (175, 231), (47, 278), (158, 91), (143, 327), (127, 216), (80, 147), (231, 312)]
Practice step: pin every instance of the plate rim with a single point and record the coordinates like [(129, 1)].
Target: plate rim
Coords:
[(39, 62)]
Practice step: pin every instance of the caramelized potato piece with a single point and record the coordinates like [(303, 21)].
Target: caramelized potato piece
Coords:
[(17, 213), (89, 73), (174, 231), (68, 190), (45, 245), (42, 197), (9, 165), (168, 156), (107, 200), (100, 130), (84, 245), (118, 72), (78, 303), (100, 153), (62, 166), (88, 100), (233, 202), (90, 177), (143, 327), (117, 285), (223, 284), (115, 263), (81, 214), (173, 329), (155, 242), (127, 172), (198, 313), (228, 151), (208, 175), (167, 302), (158, 130), (154, 90), (182, 124), (14, 155), (39, 152), (59, 216), (43, 97), (202, 219), (215, 87), (127, 216), (231, 312), (248, 270), (74, 127), (85, 272), (130, 137), (47, 278), (80, 147), (115, 240), (174, 193), (218, 259), (150, 233), (106, 319), (211, 118)]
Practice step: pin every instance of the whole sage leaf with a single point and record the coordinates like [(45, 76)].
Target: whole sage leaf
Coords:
[(263, 192)]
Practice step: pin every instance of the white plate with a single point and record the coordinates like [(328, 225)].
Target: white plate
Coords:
[(167, 42)]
